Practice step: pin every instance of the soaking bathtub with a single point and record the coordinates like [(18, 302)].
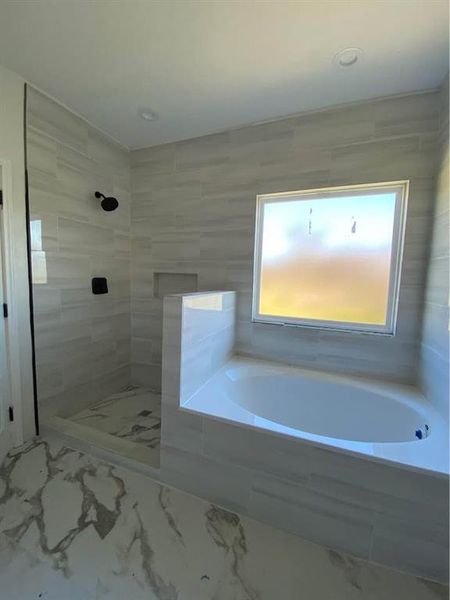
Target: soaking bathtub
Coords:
[(386, 422)]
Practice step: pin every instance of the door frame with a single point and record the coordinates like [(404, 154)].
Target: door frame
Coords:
[(15, 430)]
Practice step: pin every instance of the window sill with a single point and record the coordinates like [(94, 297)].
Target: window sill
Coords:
[(324, 328)]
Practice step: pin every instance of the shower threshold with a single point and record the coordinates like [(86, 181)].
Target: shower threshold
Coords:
[(124, 427)]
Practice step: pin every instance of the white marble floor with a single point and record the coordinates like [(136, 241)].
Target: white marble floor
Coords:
[(75, 528), (133, 415)]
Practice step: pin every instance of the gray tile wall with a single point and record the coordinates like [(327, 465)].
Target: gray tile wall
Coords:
[(82, 340), (207, 337), (434, 367), (193, 209)]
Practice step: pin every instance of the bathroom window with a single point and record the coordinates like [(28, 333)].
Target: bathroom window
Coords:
[(330, 258)]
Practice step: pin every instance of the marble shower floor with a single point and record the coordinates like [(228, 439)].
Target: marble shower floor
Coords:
[(132, 416), (75, 528)]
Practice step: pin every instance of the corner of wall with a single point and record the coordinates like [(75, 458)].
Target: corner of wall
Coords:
[(434, 344)]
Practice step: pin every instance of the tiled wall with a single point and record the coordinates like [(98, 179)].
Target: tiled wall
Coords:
[(193, 211), (435, 333), (386, 514), (192, 228), (82, 340), (207, 334), (205, 324)]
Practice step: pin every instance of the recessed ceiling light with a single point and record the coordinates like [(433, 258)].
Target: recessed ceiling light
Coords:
[(147, 114), (348, 57)]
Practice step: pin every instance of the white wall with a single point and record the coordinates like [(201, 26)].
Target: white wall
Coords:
[(12, 154)]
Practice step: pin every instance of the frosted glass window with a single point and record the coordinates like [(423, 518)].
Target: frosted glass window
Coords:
[(330, 258)]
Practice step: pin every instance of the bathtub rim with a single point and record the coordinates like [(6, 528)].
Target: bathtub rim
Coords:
[(436, 440)]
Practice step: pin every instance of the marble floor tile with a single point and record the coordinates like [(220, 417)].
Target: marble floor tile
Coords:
[(133, 415), (24, 577), (73, 527)]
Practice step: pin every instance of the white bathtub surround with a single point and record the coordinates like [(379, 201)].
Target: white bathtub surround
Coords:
[(360, 417), (82, 529), (376, 496)]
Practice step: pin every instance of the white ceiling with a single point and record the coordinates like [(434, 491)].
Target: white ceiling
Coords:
[(205, 66)]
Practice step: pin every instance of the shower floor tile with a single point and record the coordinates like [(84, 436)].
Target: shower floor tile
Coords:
[(133, 415)]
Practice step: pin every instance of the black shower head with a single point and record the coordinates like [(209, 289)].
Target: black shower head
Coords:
[(108, 203)]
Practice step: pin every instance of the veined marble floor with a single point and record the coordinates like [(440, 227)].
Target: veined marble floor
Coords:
[(75, 528), (133, 415)]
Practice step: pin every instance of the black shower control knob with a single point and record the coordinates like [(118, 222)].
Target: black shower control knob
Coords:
[(99, 285)]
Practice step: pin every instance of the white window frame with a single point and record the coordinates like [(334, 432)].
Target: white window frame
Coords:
[(400, 188)]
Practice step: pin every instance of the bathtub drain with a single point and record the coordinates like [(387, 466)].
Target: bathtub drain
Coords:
[(423, 432)]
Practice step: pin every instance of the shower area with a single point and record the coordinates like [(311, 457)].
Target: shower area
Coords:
[(81, 245)]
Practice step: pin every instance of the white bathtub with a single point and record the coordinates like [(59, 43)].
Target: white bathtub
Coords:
[(375, 419)]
